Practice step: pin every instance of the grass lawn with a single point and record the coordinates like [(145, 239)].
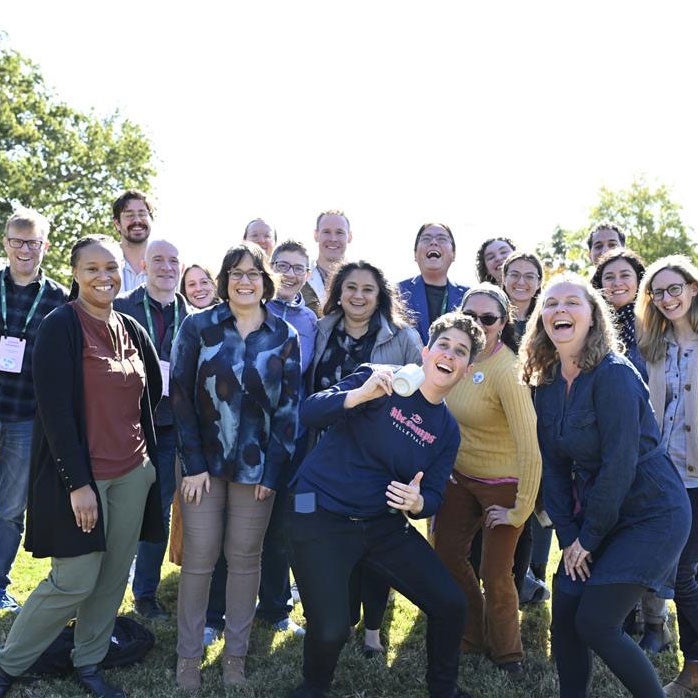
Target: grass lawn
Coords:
[(274, 661)]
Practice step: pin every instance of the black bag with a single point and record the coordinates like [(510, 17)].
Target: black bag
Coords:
[(130, 642)]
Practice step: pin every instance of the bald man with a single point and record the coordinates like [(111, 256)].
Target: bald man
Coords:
[(157, 306)]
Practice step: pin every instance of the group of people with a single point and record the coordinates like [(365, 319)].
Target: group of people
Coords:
[(262, 403)]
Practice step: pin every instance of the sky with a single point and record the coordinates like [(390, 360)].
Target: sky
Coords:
[(497, 118)]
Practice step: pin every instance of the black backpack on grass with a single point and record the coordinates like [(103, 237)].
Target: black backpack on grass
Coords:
[(130, 642)]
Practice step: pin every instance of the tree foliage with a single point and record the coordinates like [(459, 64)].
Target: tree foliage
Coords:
[(66, 164), (566, 251), (651, 220)]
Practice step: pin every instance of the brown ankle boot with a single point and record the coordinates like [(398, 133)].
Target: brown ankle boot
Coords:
[(686, 682), (233, 670)]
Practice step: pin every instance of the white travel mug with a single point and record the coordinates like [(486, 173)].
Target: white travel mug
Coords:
[(407, 379)]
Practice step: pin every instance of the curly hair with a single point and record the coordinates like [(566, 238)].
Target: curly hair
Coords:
[(538, 354), (632, 258), (456, 320), (482, 273), (652, 325), (390, 303), (508, 335)]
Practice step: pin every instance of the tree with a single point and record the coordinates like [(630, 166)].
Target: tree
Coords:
[(66, 164), (566, 251), (651, 220)]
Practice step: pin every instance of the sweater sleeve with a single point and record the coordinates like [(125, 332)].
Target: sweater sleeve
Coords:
[(520, 414)]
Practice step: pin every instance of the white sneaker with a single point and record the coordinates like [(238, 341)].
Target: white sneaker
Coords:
[(210, 635), (287, 625)]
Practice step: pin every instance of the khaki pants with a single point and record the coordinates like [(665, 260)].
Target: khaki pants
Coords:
[(230, 516), (89, 587), (493, 620)]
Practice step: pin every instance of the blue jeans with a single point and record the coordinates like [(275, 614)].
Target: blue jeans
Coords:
[(542, 538), (15, 448), (686, 590), (149, 556)]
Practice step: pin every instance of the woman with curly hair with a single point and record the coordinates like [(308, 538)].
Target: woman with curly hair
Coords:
[(490, 258), (608, 486), (667, 323)]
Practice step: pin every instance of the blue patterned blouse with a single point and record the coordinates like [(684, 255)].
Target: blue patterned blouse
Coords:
[(235, 401)]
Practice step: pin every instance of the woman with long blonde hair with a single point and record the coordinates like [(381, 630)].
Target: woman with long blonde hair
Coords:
[(667, 324)]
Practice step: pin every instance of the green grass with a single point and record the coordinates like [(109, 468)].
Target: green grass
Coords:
[(274, 661)]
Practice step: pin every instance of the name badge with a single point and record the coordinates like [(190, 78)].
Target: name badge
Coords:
[(12, 354), (165, 371)]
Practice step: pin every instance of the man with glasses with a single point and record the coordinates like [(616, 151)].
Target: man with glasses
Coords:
[(26, 297), (133, 218), (431, 294), (291, 263), (158, 307)]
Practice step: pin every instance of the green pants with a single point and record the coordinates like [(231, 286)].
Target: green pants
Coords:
[(88, 587)]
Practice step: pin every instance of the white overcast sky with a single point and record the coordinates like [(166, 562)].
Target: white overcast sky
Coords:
[(493, 117)]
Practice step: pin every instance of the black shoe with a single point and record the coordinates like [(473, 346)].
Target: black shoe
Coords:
[(90, 677), (656, 638), (305, 691), (514, 670), (151, 609), (5, 682)]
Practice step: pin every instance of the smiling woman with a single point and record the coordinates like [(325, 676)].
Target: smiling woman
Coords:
[(609, 486)]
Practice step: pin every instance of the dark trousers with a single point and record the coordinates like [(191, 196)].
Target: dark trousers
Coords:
[(149, 556), (327, 547), (590, 617), (687, 586), (275, 584), (368, 589)]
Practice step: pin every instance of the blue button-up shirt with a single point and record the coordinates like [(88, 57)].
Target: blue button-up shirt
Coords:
[(235, 400)]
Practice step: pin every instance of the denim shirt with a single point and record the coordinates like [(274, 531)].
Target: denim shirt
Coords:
[(595, 443), (235, 400)]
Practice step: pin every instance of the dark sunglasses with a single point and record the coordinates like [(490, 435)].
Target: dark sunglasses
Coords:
[(488, 319)]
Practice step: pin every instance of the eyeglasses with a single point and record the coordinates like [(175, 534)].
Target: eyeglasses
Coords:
[(133, 215), (515, 277), (285, 267), (18, 243), (440, 239), (252, 276), (488, 319), (673, 290)]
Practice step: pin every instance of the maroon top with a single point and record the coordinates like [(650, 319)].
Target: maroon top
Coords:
[(114, 383)]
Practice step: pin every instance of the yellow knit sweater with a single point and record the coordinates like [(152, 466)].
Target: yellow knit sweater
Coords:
[(498, 428)]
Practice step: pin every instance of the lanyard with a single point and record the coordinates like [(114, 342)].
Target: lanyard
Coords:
[(149, 318), (444, 302), (32, 310)]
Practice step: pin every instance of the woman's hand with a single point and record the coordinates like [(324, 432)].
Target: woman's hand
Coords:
[(379, 383), (84, 503), (193, 487), (576, 561), (261, 493), (497, 516), (406, 497)]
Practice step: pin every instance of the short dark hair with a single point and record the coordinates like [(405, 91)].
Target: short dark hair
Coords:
[(605, 225), (632, 258), (332, 212), (458, 321), (482, 273), (120, 204), (233, 257), (390, 303), (434, 225), (290, 246)]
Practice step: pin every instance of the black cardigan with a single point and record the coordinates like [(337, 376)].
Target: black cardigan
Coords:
[(60, 459)]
